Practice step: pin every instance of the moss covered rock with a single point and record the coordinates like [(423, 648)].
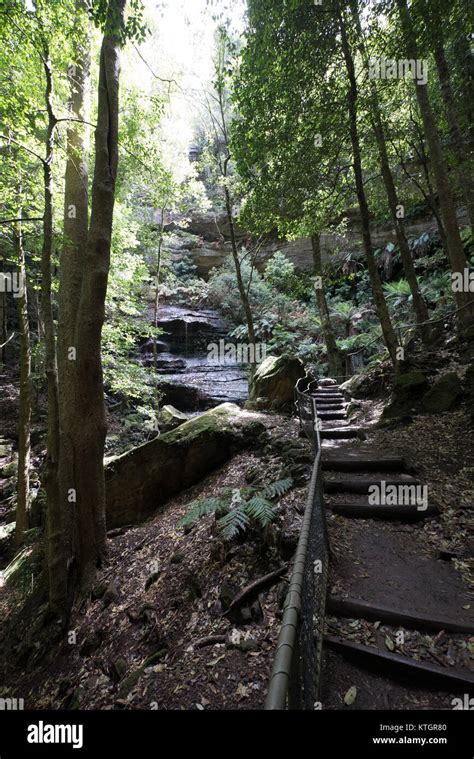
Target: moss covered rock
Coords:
[(408, 389), (273, 384), (140, 481), (170, 418), (444, 394)]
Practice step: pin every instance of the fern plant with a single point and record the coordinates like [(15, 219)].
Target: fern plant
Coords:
[(238, 509)]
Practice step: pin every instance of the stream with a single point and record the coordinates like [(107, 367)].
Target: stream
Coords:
[(189, 380)]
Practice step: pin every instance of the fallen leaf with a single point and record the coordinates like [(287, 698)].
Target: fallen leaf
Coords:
[(350, 696)]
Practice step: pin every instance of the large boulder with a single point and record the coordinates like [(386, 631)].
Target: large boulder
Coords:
[(444, 394), (408, 389), (141, 480), (170, 418), (273, 384)]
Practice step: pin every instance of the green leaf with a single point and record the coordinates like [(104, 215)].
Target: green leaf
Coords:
[(260, 509), (350, 696), (278, 488), (233, 522)]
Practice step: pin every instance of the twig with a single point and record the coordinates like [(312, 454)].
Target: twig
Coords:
[(256, 585)]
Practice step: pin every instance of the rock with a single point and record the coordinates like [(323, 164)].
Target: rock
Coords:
[(24, 567), (152, 578), (177, 558), (91, 643), (327, 382), (227, 594), (157, 656), (130, 681), (99, 591), (185, 396), (407, 391), (111, 594), (170, 418), (165, 365), (357, 386), (408, 382), (117, 669), (148, 347), (443, 395), (247, 614), (9, 470), (273, 384), (288, 544), (140, 481), (142, 613), (246, 645)]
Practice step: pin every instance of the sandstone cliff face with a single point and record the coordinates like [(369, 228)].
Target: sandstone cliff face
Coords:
[(207, 241)]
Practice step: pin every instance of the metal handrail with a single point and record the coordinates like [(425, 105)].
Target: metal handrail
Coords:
[(283, 664), (285, 680)]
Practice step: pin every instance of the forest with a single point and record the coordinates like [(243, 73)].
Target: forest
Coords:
[(236, 356)]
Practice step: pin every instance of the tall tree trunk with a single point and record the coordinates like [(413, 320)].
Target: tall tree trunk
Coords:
[(3, 327), (334, 356), (89, 428), (72, 262), (419, 305), (24, 423), (464, 57), (54, 515), (457, 257), (460, 147), (380, 303), (244, 298)]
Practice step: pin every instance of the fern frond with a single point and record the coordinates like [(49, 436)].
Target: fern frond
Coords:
[(198, 509), (278, 488), (235, 521), (260, 509)]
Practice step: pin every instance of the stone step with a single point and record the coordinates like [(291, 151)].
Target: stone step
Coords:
[(387, 513), (397, 513), (356, 608), (331, 406), (356, 463), (362, 485), (332, 415), (340, 433), (328, 396)]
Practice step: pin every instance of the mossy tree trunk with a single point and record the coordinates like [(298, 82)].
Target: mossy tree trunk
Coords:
[(377, 290), (72, 263), (24, 422), (334, 355), (457, 256)]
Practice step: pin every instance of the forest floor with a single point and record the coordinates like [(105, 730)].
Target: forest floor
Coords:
[(155, 635)]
